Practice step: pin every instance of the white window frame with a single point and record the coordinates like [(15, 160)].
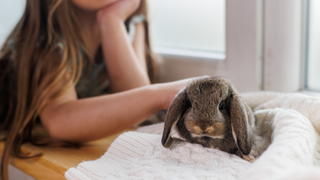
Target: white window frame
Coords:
[(307, 46), (265, 48), (242, 63)]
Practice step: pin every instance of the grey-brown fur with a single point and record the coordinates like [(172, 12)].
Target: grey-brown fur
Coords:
[(196, 114)]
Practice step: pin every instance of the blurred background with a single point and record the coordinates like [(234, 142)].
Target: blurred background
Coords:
[(258, 44)]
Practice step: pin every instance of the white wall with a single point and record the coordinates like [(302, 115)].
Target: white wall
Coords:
[(282, 45), (10, 13)]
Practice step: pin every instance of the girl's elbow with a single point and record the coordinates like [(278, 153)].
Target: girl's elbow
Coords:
[(54, 129)]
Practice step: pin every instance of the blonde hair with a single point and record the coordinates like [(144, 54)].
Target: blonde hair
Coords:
[(46, 39)]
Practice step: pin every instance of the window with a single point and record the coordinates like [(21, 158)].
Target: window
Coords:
[(194, 25), (313, 46), (196, 51), (265, 48)]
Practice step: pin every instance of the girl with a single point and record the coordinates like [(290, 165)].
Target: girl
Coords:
[(60, 61)]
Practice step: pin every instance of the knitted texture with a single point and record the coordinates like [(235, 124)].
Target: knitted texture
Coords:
[(294, 153)]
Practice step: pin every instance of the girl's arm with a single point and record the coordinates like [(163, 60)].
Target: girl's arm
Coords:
[(123, 65), (125, 69), (139, 44), (69, 119)]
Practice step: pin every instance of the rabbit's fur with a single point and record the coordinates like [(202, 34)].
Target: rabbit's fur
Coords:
[(209, 111)]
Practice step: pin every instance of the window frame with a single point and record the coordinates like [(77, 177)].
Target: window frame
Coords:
[(243, 58), (308, 46), (264, 46)]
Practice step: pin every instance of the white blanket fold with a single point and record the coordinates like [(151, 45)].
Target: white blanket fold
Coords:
[(294, 123)]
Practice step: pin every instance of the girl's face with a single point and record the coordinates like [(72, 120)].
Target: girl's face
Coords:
[(92, 4)]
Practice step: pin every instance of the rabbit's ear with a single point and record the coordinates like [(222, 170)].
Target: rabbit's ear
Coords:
[(240, 124), (176, 110)]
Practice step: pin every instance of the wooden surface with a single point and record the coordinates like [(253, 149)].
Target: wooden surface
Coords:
[(55, 161)]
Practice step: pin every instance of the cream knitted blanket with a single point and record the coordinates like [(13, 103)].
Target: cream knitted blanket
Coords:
[(291, 123)]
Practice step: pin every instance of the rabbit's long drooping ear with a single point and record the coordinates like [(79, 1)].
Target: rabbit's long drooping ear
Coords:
[(176, 109), (240, 124)]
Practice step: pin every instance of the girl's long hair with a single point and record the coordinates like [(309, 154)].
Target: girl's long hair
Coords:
[(46, 39)]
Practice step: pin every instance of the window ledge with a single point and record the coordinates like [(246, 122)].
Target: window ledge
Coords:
[(218, 56), (310, 93)]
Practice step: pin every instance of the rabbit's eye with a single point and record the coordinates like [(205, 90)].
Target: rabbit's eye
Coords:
[(221, 105)]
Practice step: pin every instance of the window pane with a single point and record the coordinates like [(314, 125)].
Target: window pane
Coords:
[(10, 13), (190, 24), (313, 52)]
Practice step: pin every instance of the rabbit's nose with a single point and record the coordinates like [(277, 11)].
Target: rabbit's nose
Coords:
[(200, 131)]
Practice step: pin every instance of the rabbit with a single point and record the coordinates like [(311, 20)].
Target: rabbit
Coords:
[(209, 111)]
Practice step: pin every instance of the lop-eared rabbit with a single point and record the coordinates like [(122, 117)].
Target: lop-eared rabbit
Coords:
[(209, 111)]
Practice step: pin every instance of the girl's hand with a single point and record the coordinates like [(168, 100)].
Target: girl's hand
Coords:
[(169, 91), (119, 11)]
